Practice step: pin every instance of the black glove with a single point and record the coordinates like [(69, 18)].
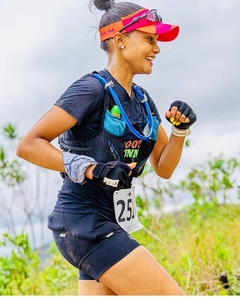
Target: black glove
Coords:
[(113, 175), (185, 109)]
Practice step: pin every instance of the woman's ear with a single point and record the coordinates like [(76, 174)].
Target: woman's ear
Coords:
[(118, 39)]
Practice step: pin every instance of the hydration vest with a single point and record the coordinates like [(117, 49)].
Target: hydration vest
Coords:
[(115, 140)]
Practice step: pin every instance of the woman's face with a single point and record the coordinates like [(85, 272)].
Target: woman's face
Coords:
[(140, 51)]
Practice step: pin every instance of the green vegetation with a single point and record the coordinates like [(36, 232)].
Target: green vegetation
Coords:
[(21, 273), (196, 246), (10, 168)]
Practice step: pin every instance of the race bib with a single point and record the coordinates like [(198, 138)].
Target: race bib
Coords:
[(126, 210)]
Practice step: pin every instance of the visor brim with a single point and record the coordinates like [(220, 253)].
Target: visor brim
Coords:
[(166, 32)]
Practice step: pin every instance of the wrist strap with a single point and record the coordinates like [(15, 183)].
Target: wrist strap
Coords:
[(180, 132), (76, 165)]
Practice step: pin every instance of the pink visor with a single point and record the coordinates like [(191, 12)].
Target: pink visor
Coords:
[(144, 20)]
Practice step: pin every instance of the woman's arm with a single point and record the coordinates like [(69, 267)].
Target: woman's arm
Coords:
[(36, 146), (166, 153)]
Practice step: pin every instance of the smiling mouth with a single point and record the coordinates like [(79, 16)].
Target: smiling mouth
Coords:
[(149, 58)]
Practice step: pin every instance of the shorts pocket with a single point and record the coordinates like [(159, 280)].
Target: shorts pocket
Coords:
[(88, 229), (56, 222)]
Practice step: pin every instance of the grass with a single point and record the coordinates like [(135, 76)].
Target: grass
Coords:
[(196, 246)]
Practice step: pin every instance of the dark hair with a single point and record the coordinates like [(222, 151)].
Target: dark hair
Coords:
[(113, 13)]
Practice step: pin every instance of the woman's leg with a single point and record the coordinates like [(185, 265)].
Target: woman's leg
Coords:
[(139, 273), (92, 287)]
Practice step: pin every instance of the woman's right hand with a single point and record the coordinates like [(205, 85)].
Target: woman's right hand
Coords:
[(113, 175)]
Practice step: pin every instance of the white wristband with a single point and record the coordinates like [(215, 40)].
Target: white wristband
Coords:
[(180, 132)]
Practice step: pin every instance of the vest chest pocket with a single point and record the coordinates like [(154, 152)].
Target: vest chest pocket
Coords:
[(114, 125)]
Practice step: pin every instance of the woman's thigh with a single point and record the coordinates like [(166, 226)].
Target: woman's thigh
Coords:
[(92, 287), (139, 273)]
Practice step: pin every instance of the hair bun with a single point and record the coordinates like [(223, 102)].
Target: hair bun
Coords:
[(103, 4)]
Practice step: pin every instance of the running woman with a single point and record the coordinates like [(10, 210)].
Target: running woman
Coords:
[(108, 127)]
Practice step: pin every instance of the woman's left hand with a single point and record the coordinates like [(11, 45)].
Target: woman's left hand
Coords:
[(181, 115)]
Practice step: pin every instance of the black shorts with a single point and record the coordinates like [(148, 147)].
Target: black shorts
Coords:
[(89, 243)]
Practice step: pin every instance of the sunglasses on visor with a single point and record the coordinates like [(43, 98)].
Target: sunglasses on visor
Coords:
[(151, 15)]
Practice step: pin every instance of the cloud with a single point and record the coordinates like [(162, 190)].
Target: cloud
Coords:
[(48, 45)]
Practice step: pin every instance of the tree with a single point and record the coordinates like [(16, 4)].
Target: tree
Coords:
[(23, 191), (213, 181)]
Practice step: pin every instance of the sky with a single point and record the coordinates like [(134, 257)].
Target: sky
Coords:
[(47, 45)]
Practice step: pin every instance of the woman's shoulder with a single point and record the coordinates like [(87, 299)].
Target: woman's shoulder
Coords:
[(87, 84)]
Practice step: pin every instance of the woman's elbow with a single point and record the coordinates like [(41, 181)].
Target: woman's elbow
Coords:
[(165, 174), (23, 148), (20, 149)]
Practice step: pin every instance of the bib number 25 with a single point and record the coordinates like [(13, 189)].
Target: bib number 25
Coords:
[(129, 210), (126, 210)]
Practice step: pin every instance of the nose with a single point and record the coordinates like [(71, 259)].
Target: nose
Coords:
[(156, 49)]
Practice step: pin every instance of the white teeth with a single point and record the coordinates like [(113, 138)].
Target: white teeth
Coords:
[(150, 58)]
